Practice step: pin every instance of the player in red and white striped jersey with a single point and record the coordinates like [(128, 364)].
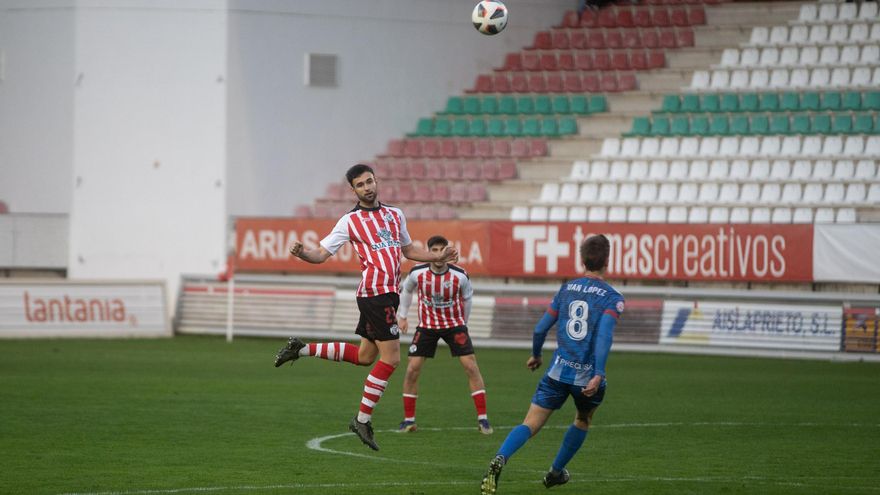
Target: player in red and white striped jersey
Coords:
[(379, 236), (444, 296)]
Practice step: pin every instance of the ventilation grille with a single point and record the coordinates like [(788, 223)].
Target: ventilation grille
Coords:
[(321, 70)]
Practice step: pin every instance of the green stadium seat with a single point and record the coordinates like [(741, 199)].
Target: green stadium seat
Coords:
[(810, 101), (780, 124), (513, 127), (443, 127), (472, 105), (495, 128), (543, 105), (671, 104), (568, 126), (720, 126), (800, 124), (864, 124), (549, 127), (690, 103), (598, 104), (680, 126), (579, 105), (852, 100), (830, 101), (489, 105), (821, 123), (842, 124), (871, 100), (700, 125), (525, 105), (660, 126), (454, 105), (478, 128), (641, 127), (791, 102), (730, 102), (769, 102), (710, 103), (531, 127), (425, 127), (561, 105), (759, 124), (461, 127), (748, 102), (739, 125), (507, 105)]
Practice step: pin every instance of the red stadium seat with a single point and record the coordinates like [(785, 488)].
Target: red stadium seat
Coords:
[(607, 18), (441, 192), (543, 41), (620, 61), (519, 148), (650, 38), (446, 213), (519, 83), (660, 17), (554, 82), (395, 147), (538, 147), (507, 170), (501, 83), (435, 170), (500, 148), (458, 193), (482, 149), (614, 39), (656, 59), (470, 169), (424, 192), (537, 84), (596, 39), (583, 60), (548, 62), (561, 40), (405, 192), (477, 192), (678, 17), (627, 82), (489, 169), (453, 170), (696, 15), (608, 83), (432, 148), (573, 83), (566, 61), (512, 61), (685, 37), (601, 61), (382, 168), (465, 148), (589, 19), (632, 39), (412, 147), (667, 38), (400, 170), (590, 83), (638, 59), (417, 169), (448, 148), (483, 84), (625, 17), (571, 19), (389, 191), (578, 39), (531, 61), (642, 17)]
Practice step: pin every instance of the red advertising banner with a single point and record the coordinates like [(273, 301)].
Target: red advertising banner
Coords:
[(740, 252)]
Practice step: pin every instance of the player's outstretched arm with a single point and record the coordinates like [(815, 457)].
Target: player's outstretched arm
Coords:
[(604, 337), (318, 255), (412, 252), (541, 328)]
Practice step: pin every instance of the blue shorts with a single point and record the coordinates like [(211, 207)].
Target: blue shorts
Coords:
[(552, 394)]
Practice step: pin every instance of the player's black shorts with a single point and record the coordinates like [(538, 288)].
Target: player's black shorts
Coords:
[(424, 343), (378, 317)]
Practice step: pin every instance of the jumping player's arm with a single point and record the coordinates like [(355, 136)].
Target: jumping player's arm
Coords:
[(544, 325), (604, 338), (409, 286), (328, 245)]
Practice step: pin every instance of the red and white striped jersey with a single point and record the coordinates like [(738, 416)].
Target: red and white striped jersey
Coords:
[(441, 296), (377, 235)]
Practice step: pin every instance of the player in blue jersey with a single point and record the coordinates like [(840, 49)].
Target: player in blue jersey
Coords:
[(585, 311)]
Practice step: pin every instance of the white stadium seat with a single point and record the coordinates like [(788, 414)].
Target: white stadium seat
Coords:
[(589, 193), (638, 169), (749, 193), (650, 147), (628, 192), (577, 214), (668, 192), (859, 32), (719, 169), (629, 147), (802, 169), (580, 170), (855, 192), (668, 147), (538, 214), (820, 77), (678, 169), (709, 146), (519, 213), (700, 79), (749, 57), (689, 146), (598, 170), (647, 193), (861, 76), (729, 57), (778, 34), (829, 55), (698, 214), (809, 12), (729, 146), (823, 169), (657, 214), (799, 78), (834, 193), (850, 55), (840, 76), (729, 193), (708, 192), (824, 215), (568, 193), (870, 54), (847, 11), (739, 169), (617, 214), (719, 214), (866, 169), (780, 169), (659, 169), (558, 214), (739, 214), (597, 214), (619, 170), (868, 10), (739, 79), (769, 57), (844, 169), (791, 145), (802, 215), (838, 33), (781, 215), (760, 79), (873, 194), (760, 169), (607, 193), (761, 214), (791, 193), (720, 79), (677, 214), (827, 11), (778, 78), (813, 193), (687, 192), (549, 192), (789, 56), (637, 214), (610, 147), (770, 193), (854, 145), (809, 55), (699, 169), (845, 215), (818, 33)]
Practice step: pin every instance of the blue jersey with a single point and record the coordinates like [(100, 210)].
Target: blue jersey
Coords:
[(577, 310)]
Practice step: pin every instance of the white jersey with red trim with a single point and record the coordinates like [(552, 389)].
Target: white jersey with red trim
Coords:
[(441, 296), (377, 235)]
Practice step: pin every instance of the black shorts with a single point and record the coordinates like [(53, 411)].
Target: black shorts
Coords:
[(378, 319), (424, 343)]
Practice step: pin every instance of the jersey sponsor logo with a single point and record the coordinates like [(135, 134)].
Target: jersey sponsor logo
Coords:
[(447, 284), (438, 301), (573, 364), (387, 240), (620, 306), (389, 217)]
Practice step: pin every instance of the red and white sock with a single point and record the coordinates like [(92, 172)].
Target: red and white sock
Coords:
[(409, 407), (332, 351), (480, 403), (374, 387)]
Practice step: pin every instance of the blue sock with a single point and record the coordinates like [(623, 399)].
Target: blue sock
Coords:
[(515, 439), (572, 441)]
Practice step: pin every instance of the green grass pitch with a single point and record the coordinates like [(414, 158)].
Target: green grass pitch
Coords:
[(198, 415)]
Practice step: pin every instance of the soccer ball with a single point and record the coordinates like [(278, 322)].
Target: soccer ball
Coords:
[(490, 17)]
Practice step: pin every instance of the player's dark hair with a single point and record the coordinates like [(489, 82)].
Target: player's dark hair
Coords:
[(437, 239), (594, 252), (356, 171)]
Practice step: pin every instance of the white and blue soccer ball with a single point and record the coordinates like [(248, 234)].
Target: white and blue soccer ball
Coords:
[(490, 17)]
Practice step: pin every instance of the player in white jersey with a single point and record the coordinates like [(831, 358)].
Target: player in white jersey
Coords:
[(585, 311), (379, 236), (444, 294)]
